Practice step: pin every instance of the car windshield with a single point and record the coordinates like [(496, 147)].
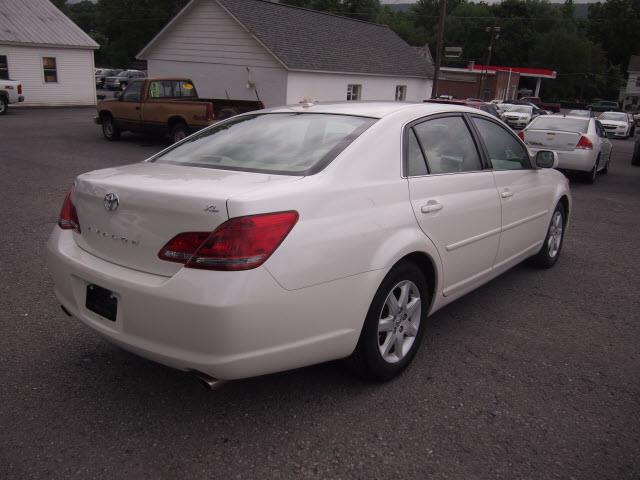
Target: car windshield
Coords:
[(278, 143), (520, 108), (562, 124), (618, 117), (579, 113)]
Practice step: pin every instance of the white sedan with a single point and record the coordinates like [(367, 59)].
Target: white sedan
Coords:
[(298, 235), (518, 116), (616, 124), (580, 143)]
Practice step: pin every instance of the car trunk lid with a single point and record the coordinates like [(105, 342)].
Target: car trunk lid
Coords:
[(128, 214), (553, 139)]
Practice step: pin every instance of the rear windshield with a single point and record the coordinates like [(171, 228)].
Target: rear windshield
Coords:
[(279, 143), (561, 124)]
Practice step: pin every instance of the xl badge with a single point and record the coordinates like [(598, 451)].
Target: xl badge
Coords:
[(111, 202)]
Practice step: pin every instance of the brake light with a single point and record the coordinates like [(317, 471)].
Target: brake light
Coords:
[(68, 219), (20, 89), (521, 135), (240, 243), (584, 143), (209, 112)]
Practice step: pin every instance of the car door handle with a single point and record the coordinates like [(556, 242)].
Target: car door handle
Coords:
[(431, 206), (506, 193), (137, 108)]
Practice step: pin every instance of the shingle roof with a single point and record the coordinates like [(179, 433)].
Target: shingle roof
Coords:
[(39, 22), (305, 39), (634, 64)]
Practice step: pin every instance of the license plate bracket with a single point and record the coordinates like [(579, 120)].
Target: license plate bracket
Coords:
[(102, 301)]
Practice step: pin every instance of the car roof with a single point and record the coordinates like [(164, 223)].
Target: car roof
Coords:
[(375, 109)]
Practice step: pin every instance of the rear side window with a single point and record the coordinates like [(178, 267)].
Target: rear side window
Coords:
[(505, 152), (448, 145), (171, 89), (415, 160), (560, 124), (278, 143)]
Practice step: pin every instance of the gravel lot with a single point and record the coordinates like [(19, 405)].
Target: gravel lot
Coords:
[(533, 376)]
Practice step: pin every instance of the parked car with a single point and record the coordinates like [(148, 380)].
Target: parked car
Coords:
[(581, 113), (103, 73), (299, 235), (604, 106), (122, 79), (10, 92), (616, 124), (581, 143), (165, 106), (518, 116), (552, 107)]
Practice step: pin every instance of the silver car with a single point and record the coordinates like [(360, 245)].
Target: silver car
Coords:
[(581, 143)]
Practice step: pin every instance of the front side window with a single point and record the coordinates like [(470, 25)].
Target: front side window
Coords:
[(354, 92), (50, 69), (505, 152), (4, 68), (133, 93), (401, 93), (277, 143), (448, 145)]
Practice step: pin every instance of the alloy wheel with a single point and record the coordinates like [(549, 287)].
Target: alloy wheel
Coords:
[(399, 321), (555, 234)]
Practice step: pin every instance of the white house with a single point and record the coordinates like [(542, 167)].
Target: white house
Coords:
[(244, 49), (47, 52)]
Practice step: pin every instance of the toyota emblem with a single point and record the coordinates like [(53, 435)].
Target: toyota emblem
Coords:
[(111, 202)]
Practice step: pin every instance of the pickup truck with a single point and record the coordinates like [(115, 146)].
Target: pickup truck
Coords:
[(166, 106), (552, 107), (10, 92)]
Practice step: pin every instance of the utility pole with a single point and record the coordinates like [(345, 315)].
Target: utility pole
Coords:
[(495, 34), (436, 73)]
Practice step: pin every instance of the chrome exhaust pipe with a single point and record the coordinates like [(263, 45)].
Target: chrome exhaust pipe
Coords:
[(207, 381)]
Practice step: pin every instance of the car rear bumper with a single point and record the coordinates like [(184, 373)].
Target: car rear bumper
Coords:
[(225, 324), (579, 160)]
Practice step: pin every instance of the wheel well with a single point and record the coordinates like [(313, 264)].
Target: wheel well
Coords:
[(425, 263), (105, 113), (173, 121)]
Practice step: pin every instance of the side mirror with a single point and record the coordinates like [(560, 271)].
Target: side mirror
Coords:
[(117, 95), (546, 159)]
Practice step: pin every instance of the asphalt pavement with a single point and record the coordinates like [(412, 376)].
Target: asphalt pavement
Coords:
[(536, 375)]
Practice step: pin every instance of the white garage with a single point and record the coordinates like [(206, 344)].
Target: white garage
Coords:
[(248, 49)]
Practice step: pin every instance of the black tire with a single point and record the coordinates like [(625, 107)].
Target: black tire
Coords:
[(605, 170), (4, 106), (367, 361), (179, 131), (109, 129), (546, 258), (590, 176)]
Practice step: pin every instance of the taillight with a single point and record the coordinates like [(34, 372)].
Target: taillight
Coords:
[(240, 243), (68, 219), (584, 143), (521, 135), (19, 89), (209, 112)]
